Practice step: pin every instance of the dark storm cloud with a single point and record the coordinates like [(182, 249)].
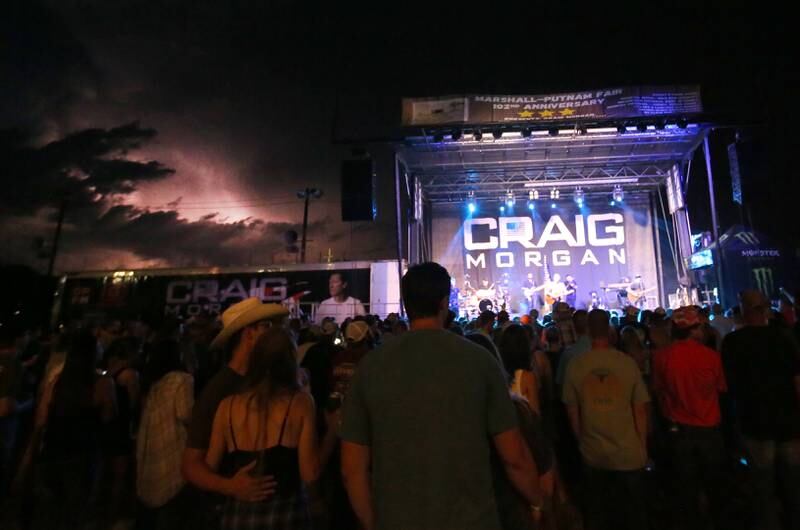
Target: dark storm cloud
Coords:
[(86, 168), (105, 174), (167, 236)]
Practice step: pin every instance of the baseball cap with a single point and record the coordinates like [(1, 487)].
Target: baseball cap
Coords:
[(686, 317), (329, 328)]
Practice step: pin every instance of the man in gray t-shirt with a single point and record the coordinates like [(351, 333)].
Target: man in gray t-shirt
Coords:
[(420, 418)]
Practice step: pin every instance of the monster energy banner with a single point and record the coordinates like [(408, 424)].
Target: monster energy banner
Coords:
[(598, 245), (751, 262), (611, 103)]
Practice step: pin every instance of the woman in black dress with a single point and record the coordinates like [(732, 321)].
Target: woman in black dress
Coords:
[(269, 429)]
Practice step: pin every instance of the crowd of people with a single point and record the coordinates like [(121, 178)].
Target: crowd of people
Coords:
[(579, 419)]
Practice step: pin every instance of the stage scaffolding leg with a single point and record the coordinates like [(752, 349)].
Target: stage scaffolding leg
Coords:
[(398, 168), (718, 266), (659, 264)]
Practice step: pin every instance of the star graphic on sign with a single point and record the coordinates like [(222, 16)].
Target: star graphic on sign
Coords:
[(525, 114), (567, 112), (546, 113)]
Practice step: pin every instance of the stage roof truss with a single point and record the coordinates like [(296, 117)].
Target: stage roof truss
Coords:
[(453, 171)]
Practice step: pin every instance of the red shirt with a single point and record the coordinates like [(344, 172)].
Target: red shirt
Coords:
[(687, 378)]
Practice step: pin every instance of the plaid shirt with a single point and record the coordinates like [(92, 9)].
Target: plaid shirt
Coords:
[(162, 438)]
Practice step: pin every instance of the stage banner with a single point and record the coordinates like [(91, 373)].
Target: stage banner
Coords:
[(184, 296), (508, 258), (674, 189), (610, 103)]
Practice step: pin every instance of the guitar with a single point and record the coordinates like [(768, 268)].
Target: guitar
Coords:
[(556, 293), (634, 295), (528, 291)]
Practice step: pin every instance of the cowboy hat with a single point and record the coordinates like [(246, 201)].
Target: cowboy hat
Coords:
[(246, 312), (356, 331)]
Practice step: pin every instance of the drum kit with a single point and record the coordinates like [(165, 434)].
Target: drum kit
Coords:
[(476, 301)]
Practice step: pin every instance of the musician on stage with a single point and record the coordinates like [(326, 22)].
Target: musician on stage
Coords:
[(486, 291), (554, 291), (622, 292), (467, 285), (454, 296), (595, 302), (502, 292), (529, 292), (638, 291), (571, 289)]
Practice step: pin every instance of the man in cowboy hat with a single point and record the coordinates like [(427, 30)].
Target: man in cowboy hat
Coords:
[(242, 325)]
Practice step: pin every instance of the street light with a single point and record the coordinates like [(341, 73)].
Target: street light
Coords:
[(306, 194)]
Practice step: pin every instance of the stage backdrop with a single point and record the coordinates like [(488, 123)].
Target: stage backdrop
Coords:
[(598, 244)]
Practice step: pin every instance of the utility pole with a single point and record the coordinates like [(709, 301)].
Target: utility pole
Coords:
[(61, 211), (306, 194)]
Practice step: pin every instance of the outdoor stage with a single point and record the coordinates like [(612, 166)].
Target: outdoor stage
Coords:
[(525, 207)]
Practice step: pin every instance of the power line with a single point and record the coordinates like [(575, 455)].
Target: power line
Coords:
[(203, 206), (221, 207)]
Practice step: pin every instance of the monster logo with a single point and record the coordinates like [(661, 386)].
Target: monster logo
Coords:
[(764, 280)]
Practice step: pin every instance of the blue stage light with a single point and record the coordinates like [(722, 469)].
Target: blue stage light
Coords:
[(612, 203), (531, 206), (579, 197), (471, 207), (502, 209), (553, 205)]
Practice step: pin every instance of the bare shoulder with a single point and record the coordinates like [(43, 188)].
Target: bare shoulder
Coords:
[(224, 407), (304, 403)]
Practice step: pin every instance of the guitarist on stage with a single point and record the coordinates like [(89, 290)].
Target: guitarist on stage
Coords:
[(636, 292), (554, 291), (529, 290)]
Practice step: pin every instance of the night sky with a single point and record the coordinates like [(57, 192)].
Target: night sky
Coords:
[(180, 132)]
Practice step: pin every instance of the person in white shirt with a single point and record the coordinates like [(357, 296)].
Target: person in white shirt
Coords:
[(721, 323), (339, 306)]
